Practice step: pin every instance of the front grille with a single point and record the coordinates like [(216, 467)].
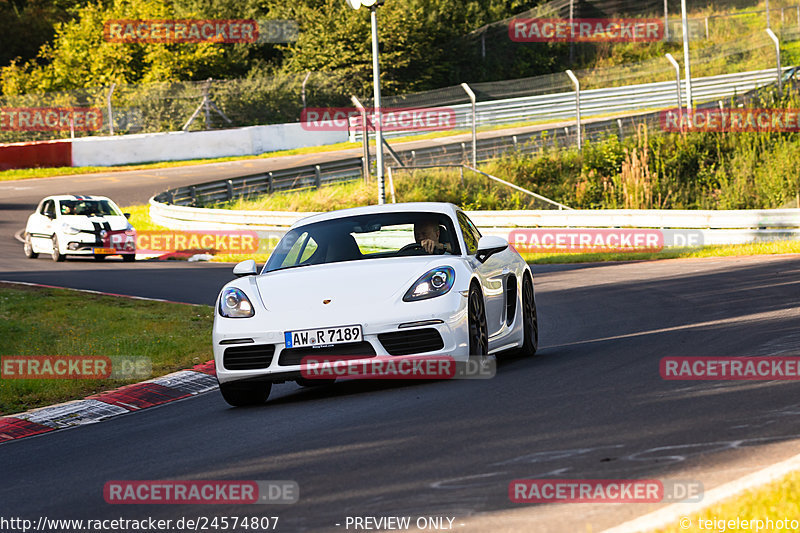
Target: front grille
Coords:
[(250, 357), (412, 341), (294, 356)]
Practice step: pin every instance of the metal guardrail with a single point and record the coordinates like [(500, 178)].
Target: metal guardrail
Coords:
[(703, 227), (594, 102), (289, 179), (180, 217)]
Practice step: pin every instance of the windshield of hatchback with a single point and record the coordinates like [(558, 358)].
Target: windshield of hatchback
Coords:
[(365, 237), (91, 208)]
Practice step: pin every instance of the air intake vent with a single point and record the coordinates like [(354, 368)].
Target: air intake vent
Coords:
[(412, 341), (249, 357), (511, 299), (294, 356)]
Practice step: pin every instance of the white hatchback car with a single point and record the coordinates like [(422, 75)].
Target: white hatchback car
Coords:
[(79, 225), (380, 281)]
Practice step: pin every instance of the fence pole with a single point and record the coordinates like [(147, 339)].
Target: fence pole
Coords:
[(686, 60), (376, 82), (303, 89), (677, 82), (778, 58), (474, 123), (577, 107), (110, 112), (364, 136), (666, 21)]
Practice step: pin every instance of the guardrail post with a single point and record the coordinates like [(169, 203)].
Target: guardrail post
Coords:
[(778, 59), (229, 187), (317, 177), (473, 100), (413, 157), (463, 151), (269, 181), (621, 131), (577, 107), (171, 196), (193, 192)]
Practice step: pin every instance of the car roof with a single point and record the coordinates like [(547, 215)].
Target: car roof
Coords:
[(76, 197), (409, 207)]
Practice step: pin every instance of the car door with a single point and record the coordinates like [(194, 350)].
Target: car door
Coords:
[(44, 225), (492, 274)]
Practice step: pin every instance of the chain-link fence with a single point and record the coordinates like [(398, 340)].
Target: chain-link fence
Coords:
[(168, 106)]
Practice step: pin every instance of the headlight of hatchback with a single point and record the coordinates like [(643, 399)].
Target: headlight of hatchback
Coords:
[(435, 282), (69, 230), (234, 304)]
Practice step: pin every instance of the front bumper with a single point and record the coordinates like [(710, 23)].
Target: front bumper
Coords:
[(447, 317)]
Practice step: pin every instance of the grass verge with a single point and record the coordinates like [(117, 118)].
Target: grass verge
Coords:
[(43, 321), (777, 501)]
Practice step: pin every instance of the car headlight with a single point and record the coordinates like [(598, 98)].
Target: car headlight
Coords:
[(234, 304), (69, 230), (433, 283)]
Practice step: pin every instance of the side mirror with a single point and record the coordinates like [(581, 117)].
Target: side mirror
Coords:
[(245, 268), (50, 215), (490, 245), (127, 215)]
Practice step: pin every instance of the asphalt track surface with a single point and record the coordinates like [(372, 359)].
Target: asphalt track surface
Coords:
[(591, 404)]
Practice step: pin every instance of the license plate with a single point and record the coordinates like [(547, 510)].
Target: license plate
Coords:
[(104, 251), (322, 336)]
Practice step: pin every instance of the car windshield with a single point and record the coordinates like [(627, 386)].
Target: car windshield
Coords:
[(365, 237), (91, 208)]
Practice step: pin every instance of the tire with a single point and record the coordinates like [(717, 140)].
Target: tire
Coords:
[(56, 254), (129, 258), (28, 247), (242, 394), (477, 330), (99, 257), (305, 382), (530, 321)]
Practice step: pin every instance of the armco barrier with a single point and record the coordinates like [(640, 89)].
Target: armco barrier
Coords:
[(716, 227), (36, 154)]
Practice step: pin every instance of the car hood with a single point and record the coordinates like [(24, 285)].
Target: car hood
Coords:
[(83, 222), (353, 284)]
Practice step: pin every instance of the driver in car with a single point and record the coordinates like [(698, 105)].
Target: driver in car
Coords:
[(427, 233)]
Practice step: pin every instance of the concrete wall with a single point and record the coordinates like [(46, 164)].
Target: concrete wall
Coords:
[(174, 146)]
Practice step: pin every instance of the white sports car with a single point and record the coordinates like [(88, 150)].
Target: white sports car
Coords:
[(388, 280), (79, 225)]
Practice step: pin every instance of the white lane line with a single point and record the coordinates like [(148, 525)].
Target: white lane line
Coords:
[(670, 514)]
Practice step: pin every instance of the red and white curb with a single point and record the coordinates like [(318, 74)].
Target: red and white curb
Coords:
[(108, 404)]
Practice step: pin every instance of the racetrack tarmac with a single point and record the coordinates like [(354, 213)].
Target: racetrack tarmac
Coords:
[(591, 404)]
